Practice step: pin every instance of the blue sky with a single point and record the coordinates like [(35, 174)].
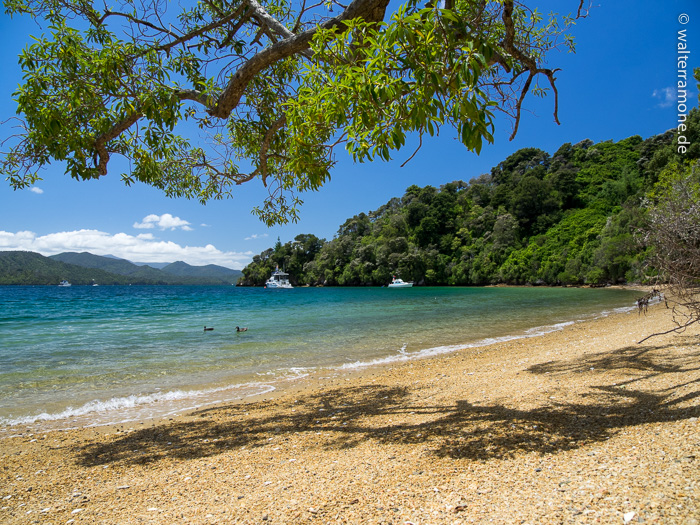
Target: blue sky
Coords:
[(621, 82)]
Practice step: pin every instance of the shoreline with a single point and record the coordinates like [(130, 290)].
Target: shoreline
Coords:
[(160, 404), (579, 425)]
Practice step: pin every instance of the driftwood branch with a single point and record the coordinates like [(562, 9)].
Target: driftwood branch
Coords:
[(672, 330)]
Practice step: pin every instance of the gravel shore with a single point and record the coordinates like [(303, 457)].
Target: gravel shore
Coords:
[(582, 425)]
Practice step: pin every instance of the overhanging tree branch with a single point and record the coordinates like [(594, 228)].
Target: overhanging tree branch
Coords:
[(369, 10), (283, 98), (102, 154)]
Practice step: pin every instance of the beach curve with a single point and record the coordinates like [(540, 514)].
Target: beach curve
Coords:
[(579, 425)]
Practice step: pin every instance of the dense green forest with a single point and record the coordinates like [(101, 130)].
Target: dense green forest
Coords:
[(566, 218)]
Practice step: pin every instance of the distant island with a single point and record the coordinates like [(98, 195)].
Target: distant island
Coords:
[(29, 268), (570, 218)]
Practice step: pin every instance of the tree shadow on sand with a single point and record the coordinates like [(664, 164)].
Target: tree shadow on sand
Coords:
[(345, 417)]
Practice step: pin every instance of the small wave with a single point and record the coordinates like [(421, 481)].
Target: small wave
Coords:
[(447, 349), (541, 330), (296, 372), (620, 310), (158, 404), (439, 350), (122, 405)]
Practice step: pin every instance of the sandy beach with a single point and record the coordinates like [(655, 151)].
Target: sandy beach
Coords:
[(582, 425)]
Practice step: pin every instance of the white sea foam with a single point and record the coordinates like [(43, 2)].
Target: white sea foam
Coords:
[(620, 310), (159, 404), (129, 408), (439, 350), (541, 330), (403, 356)]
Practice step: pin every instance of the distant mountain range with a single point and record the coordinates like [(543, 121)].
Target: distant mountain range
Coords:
[(158, 266), (86, 268)]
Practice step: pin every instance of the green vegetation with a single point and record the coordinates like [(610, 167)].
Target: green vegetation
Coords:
[(85, 268), (33, 268), (173, 273), (569, 218)]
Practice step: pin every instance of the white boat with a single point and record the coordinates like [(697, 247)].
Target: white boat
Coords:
[(399, 283), (64, 284), (278, 279)]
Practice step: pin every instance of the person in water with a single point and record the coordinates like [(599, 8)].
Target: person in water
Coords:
[(238, 329)]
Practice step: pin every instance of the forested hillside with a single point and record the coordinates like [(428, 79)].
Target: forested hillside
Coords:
[(565, 218), (172, 273), (33, 268), (209, 271), (85, 268), (111, 265)]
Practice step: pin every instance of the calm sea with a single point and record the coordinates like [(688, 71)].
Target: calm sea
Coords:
[(94, 355)]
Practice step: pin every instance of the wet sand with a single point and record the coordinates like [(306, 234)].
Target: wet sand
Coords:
[(582, 425)]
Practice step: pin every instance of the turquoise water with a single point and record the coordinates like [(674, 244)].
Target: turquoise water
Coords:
[(92, 355)]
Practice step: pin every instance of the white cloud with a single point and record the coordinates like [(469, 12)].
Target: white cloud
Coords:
[(164, 222), (256, 236), (667, 97), (140, 248), (36, 189)]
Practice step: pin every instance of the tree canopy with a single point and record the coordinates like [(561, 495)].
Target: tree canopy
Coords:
[(200, 97)]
